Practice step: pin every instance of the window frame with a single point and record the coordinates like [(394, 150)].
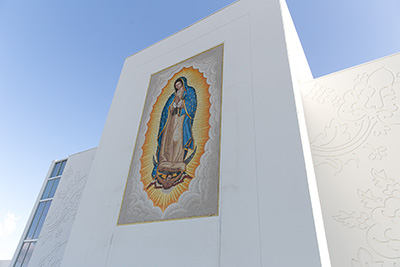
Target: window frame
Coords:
[(16, 261)]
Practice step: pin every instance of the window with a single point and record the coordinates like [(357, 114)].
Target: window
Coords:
[(42, 208), (58, 169)]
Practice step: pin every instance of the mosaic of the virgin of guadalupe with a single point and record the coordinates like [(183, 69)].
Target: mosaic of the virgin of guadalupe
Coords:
[(174, 172)]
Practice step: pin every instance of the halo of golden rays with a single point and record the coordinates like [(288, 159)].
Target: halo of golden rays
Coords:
[(200, 130)]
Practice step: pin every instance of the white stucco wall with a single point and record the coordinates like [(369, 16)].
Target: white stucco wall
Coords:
[(353, 122), (54, 235), (265, 216)]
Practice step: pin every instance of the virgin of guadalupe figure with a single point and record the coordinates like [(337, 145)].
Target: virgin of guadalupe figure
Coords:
[(175, 136)]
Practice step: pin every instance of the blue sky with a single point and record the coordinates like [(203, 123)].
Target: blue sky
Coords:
[(60, 62)]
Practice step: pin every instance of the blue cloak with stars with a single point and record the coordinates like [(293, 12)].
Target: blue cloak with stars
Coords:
[(189, 111)]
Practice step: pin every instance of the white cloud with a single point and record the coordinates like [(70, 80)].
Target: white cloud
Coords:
[(8, 225), (9, 235)]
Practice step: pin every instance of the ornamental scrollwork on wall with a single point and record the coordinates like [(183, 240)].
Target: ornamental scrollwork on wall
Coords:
[(380, 220), (52, 258), (68, 199), (320, 93), (365, 259), (364, 113), (62, 216)]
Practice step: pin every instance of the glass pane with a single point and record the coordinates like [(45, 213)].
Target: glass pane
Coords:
[(55, 170), (35, 220), (42, 218), (29, 254), (60, 172), (54, 188), (21, 255), (47, 189)]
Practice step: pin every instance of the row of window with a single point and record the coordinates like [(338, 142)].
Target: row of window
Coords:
[(40, 215)]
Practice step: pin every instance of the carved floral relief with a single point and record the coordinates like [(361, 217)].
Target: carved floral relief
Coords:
[(358, 134)]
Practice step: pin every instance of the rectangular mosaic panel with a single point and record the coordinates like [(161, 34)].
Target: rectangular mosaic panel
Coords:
[(174, 171)]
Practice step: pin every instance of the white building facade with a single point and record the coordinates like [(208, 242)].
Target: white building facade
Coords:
[(220, 149)]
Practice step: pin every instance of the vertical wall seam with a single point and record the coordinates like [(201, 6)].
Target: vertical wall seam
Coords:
[(109, 247), (255, 144)]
